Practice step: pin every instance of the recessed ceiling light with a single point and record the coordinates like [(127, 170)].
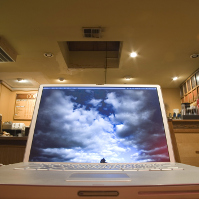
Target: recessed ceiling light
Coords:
[(194, 56), (21, 80), (48, 55), (61, 79), (127, 77), (175, 78), (133, 54)]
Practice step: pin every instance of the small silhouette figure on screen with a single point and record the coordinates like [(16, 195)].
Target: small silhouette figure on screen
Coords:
[(103, 161)]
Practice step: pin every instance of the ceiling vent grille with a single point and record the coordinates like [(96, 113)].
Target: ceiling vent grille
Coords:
[(92, 32), (7, 53)]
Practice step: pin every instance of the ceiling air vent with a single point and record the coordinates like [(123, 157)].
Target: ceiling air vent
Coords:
[(92, 32), (7, 53)]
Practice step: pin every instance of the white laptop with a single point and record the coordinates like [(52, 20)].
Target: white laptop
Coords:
[(99, 141)]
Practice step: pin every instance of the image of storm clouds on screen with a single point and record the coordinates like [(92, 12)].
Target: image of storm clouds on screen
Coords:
[(87, 125)]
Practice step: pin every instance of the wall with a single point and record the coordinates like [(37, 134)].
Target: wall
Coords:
[(5, 96), (171, 97), (7, 104)]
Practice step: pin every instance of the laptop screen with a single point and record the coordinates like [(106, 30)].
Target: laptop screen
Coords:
[(93, 124)]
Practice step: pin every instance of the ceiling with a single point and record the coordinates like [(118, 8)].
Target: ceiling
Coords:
[(163, 33)]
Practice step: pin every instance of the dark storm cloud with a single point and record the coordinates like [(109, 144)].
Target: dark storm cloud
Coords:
[(154, 155), (46, 155), (135, 116)]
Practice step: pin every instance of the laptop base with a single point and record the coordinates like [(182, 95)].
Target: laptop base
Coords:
[(68, 192)]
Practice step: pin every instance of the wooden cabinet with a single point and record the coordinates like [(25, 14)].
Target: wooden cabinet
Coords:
[(185, 138), (189, 90), (12, 149)]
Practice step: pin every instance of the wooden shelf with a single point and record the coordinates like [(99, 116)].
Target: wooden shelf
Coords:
[(189, 89)]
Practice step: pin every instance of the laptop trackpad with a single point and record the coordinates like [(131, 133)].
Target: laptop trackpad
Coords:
[(99, 177)]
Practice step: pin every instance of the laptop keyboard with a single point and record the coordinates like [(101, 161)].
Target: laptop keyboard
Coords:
[(100, 167)]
